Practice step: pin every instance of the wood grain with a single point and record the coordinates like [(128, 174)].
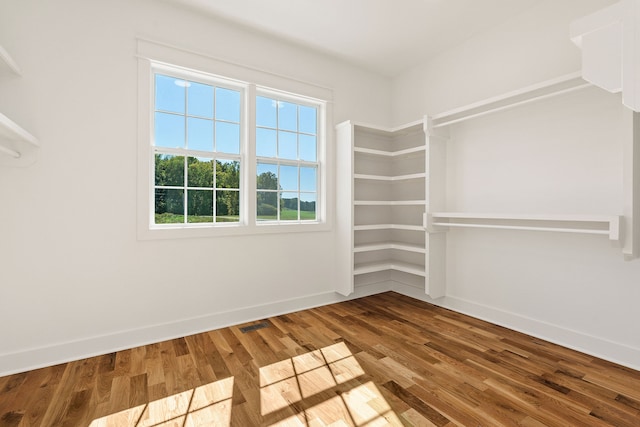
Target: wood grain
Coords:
[(380, 360)]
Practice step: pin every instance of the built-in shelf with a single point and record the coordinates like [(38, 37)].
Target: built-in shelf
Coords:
[(380, 246), (373, 267), (7, 59), (537, 92), (405, 152), (382, 180), (389, 227), (388, 202), (390, 178), (608, 225)]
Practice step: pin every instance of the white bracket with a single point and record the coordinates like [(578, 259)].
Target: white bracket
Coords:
[(610, 43)]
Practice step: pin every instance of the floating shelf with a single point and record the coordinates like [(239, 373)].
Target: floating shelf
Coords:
[(537, 92), (389, 265), (388, 202), (608, 225), (370, 247)]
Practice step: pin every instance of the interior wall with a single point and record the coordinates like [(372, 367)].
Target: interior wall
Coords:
[(71, 265), (558, 156)]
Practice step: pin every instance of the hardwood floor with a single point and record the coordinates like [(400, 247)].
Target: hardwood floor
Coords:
[(381, 360)]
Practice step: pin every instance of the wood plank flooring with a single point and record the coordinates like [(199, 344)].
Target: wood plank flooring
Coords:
[(380, 360)]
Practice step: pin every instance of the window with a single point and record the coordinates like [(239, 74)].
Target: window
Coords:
[(226, 156), (196, 152), (287, 160)]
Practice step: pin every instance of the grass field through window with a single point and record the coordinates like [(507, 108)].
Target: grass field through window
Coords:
[(285, 215)]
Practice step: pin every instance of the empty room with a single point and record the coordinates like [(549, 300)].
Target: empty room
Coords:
[(319, 213)]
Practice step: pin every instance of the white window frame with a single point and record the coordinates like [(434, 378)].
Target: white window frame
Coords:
[(298, 100), (161, 69), (152, 58)]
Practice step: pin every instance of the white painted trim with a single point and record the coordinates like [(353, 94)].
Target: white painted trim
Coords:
[(575, 340), (63, 352), (40, 357)]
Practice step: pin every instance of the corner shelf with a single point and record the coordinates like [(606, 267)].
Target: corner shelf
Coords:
[(380, 246), (608, 225), (388, 203), (381, 229), (374, 267), (384, 153), (388, 227), (390, 178)]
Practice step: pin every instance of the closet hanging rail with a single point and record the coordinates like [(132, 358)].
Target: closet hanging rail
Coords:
[(564, 84), (608, 225)]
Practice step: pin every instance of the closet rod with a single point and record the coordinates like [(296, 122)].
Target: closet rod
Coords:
[(537, 92)]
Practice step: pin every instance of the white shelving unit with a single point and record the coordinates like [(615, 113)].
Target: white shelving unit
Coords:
[(14, 140), (381, 196), (623, 229)]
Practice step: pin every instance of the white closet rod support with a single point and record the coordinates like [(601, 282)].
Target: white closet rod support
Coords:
[(4, 55), (9, 151)]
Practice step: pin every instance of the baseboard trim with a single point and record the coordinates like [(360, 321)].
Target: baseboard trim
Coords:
[(588, 344), (29, 359), (40, 357)]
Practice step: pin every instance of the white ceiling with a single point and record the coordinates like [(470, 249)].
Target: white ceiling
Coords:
[(385, 36)]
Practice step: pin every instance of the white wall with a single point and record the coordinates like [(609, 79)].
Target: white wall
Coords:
[(562, 155), (71, 268)]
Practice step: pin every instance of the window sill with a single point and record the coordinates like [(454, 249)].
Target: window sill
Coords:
[(207, 231)]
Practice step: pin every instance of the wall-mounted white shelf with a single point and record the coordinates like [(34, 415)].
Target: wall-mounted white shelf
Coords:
[(537, 92), (390, 178), (388, 202), (7, 59), (608, 225), (389, 227), (374, 267), (380, 246), (374, 152)]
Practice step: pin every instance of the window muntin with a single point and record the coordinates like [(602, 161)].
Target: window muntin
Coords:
[(287, 160), (197, 152)]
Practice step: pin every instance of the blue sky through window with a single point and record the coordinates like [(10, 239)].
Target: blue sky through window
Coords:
[(196, 116)]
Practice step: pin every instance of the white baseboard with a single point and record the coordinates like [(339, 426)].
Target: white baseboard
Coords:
[(50, 355), (35, 358), (588, 344)]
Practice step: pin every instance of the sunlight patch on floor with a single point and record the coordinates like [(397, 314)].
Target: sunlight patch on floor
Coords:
[(291, 381), (209, 404)]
